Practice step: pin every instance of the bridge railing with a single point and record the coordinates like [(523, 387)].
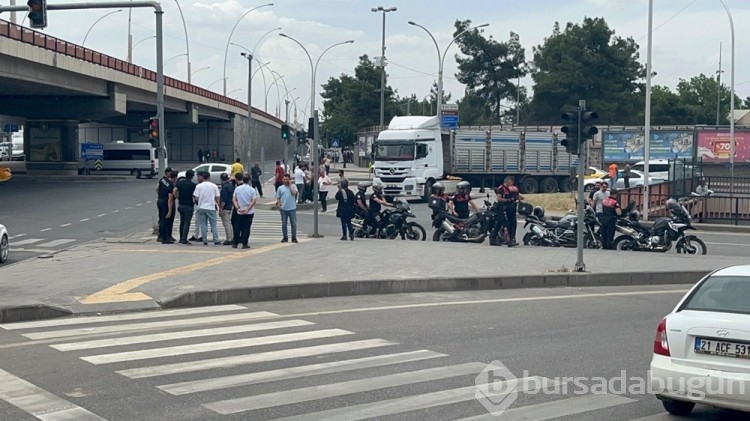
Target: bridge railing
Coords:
[(41, 40)]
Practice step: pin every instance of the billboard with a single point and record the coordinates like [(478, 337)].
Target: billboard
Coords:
[(715, 146), (628, 145)]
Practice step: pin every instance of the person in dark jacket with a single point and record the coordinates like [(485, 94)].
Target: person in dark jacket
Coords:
[(345, 210)]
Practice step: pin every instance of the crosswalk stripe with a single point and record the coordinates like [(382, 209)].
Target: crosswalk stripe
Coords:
[(159, 337), (27, 241), (121, 317), (286, 397), (296, 372), (213, 346), (556, 409), (149, 325), (40, 403), (417, 402), (16, 236), (56, 243), (238, 360)]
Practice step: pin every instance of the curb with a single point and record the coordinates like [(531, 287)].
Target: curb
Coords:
[(31, 312), (700, 227)]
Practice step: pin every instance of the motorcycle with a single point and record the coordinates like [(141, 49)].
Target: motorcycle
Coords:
[(660, 236), (394, 223), (562, 233), (453, 229)]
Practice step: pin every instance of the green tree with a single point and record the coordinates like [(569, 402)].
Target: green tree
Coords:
[(667, 107), (588, 62), (699, 95), (473, 110), (490, 68)]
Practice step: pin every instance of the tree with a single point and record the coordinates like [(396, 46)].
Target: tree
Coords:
[(474, 110), (434, 94), (667, 107), (587, 62), (747, 103), (699, 95), (490, 68)]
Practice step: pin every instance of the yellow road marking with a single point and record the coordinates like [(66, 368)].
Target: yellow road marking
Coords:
[(227, 252), (120, 292)]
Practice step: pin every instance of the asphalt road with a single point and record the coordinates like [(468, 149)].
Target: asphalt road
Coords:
[(399, 357)]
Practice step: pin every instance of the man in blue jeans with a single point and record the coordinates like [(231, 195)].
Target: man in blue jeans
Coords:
[(206, 196), (286, 201)]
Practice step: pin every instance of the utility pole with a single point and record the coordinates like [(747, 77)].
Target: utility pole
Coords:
[(718, 89), (286, 121)]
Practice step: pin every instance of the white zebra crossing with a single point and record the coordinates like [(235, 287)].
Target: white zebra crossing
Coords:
[(107, 341), (37, 245), (266, 226)]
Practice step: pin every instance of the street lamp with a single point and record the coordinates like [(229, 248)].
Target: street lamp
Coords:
[(214, 83), (382, 63), (441, 58), (647, 127), (178, 55), (731, 107), (94, 24), (202, 68), (226, 50), (236, 90), (276, 78), (262, 65), (248, 146), (144, 39), (187, 43), (313, 136)]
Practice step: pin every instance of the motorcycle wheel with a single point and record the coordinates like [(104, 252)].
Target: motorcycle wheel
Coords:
[(533, 240), (691, 244), (415, 232), (440, 235), (625, 243), (359, 233), (592, 242)]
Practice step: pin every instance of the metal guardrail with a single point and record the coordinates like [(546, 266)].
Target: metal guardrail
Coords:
[(707, 209), (41, 40)]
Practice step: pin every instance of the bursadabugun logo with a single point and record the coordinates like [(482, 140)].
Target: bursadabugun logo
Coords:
[(496, 388)]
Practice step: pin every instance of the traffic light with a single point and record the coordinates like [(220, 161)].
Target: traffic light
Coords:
[(311, 127), (588, 119), (153, 131), (285, 132), (571, 141), (301, 137), (37, 13)]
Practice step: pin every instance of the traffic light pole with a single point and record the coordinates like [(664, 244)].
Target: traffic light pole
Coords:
[(580, 266), (159, 51)]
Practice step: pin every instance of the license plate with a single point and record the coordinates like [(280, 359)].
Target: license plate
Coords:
[(726, 349), (391, 186)]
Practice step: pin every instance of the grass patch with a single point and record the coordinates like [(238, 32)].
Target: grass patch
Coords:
[(552, 201)]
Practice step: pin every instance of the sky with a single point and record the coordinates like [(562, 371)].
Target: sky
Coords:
[(686, 39)]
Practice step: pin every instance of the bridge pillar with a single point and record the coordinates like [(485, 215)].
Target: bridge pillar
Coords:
[(51, 147)]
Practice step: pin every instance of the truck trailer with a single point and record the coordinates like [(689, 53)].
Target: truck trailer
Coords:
[(414, 153)]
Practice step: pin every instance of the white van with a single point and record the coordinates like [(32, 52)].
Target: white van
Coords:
[(138, 159), (657, 168)]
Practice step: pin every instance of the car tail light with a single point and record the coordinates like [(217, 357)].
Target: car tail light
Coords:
[(153, 164), (661, 345)]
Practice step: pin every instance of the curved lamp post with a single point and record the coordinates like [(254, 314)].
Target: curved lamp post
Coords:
[(314, 146), (262, 65), (382, 62), (214, 83), (441, 58), (226, 50), (94, 24), (178, 55), (144, 39), (731, 107), (202, 68)]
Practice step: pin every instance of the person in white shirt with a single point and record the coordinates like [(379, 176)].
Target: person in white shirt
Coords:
[(299, 181), (206, 197), (324, 184), (244, 200)]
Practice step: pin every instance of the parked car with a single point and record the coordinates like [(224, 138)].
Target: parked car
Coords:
[(657, 168), (4, 244), (594, 172), (214, 169), (636, 179), (702, 348)]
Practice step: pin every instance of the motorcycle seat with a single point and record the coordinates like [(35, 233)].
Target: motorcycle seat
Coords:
[(454, 218), (551, 224)]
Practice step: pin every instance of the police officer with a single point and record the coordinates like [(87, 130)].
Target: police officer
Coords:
[(438, 192), (377, 201), (165, 204), (462, 200), (360, 203), (610, 211), (507, 198)]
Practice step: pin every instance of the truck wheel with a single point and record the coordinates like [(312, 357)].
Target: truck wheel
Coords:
[(549, 185), (565, 184), (427, 191), (137, 173), (529, 186)]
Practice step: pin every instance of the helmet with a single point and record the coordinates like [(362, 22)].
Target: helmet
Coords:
[(464, 187), (363, 185), (634, 216), (377, 188), (538, 212), (438, 188), (344, 184), (672, 205)]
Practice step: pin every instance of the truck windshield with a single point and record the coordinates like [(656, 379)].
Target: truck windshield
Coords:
[(395, 151)]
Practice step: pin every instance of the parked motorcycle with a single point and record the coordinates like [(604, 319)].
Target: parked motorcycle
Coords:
[(660, 236), (395, 224), (451, 228), (562, 233)]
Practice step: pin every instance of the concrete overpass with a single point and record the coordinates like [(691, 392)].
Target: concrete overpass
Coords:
[(65, 94)]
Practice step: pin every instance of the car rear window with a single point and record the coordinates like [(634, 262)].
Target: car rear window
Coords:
[(727, 294)]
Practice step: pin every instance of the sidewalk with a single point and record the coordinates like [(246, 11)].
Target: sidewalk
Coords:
[(130, 274)]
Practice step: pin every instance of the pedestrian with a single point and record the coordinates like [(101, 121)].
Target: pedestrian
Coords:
[(207, 197), (613, 169), (345, 209), (327, 163), (287, 203), (244, 200), (597, 187), (226, 206), (163, 197), (278, 175), (197, 230), (200, 156), (256, 174), (596, 203), (610, 211), (342, 177), (626, 175), (237, 167), (184, 189), (324, 184), (299, 182)]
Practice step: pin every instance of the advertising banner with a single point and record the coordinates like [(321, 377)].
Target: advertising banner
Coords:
[(715, 146), (628, 145)]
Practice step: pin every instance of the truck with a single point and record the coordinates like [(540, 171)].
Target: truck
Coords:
[(414, 152)]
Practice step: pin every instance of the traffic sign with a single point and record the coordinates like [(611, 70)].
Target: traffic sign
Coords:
[(92, 151), (98, 165), (445, 107), (449, 121), (334, 143)]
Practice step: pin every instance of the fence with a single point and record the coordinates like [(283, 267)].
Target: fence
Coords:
[(733, 210)]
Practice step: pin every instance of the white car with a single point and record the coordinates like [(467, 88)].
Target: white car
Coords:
[(4, 244), (702, 348), (214, 169), (636, 179)]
